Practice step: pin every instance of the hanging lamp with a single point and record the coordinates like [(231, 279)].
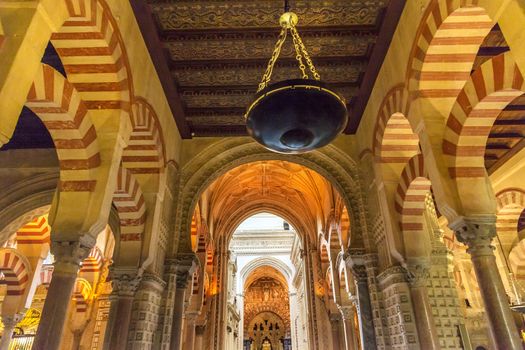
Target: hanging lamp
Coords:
[(296, 115)]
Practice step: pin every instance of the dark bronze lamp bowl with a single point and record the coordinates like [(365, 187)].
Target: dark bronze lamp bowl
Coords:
[(296, 116)]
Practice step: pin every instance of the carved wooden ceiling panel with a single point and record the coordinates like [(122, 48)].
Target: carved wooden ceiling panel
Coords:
[(215, 52)]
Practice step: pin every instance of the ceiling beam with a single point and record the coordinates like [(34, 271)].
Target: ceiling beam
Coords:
[(390, 21), (148, 29)]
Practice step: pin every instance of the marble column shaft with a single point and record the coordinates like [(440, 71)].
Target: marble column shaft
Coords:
[(417, 276), (176, 321), (189, 336), (199, 337), (10, 323), (124, 288), (181, 269), (334, 322), (347, 313), (68, 256), (366, 323), (477, 234)]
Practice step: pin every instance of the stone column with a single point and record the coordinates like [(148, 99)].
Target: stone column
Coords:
[(124, 287), (364, 308), (68, 256), (189, 337), (477, 233), (182, 267), (10, 323), (417, 275), (335, 325), (199, 337), (347, 314)]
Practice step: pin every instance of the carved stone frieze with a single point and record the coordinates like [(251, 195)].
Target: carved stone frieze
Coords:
[(251, 74), (263, 13), (246, 45)]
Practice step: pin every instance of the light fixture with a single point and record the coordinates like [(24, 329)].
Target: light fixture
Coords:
[(295, 115)]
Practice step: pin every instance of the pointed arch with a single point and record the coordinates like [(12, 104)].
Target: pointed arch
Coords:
[(129, 201), (54, 100)]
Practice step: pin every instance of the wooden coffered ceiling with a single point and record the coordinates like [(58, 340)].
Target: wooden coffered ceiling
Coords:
[(211, 54)]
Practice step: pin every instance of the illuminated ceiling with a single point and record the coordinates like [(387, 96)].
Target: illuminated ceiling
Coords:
[(294, 192)]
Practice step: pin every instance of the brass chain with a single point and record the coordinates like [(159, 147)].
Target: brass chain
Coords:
[(298, 56), (300, 51), (306, 56), (276, 51)]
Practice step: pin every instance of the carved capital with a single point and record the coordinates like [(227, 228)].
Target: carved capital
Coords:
[(182, 266), (417, 274), (359, 273), (10, 321), (476, 233), (68, 255), (347, 312), (124, 282)]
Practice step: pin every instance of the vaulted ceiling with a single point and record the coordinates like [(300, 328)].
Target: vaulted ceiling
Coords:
[(211, 54)]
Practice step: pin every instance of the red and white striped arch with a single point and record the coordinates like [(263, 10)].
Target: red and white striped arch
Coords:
[(129, 201), (411, 192), (16, 271), (56, 101), (345, 226), (194, 232), (324, 255), (445, 48), (488, 91), (511, 209), (81, 295), (92, 265), (46, 274), (35, 232), (145, 153), (394, 141), (93, 54)]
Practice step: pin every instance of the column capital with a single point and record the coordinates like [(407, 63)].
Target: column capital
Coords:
[(124, 282), (417, 273), (347, 311), (68, 255), (476, 232), (10, 321), (182, 266), (359, 273)]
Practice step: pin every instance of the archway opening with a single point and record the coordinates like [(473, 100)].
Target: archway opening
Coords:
[(260, 219)]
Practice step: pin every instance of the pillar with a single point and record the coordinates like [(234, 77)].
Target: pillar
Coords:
[(366, 324), (10, 323), (189, 329), (124, 288), (477, 233), (347, 314), (182, 267), (68, 256), (335, 325), (417, 275), (199, 337)]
